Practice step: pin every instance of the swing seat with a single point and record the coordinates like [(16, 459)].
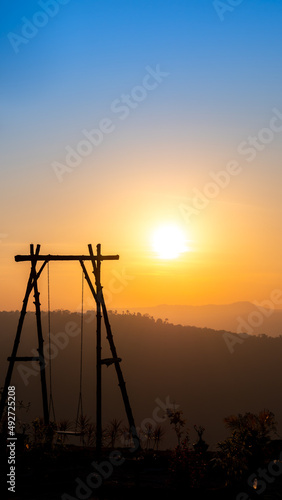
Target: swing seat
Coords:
[(69, 433)]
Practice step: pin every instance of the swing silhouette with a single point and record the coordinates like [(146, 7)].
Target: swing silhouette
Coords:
[(79, 414), (34, 258)]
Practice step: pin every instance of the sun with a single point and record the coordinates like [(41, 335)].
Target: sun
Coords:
[(169, 241)]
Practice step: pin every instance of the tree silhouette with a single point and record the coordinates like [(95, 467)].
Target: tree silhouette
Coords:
[(247, 448), (176, 420), (158, 434), (113, 431)]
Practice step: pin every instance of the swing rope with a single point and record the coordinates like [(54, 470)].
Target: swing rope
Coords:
[(51, 402), (80, 405)]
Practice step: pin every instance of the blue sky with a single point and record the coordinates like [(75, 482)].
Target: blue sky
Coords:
[(224, 80), (91, 51)]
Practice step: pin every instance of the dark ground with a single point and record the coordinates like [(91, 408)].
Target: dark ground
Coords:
[(55, 475)]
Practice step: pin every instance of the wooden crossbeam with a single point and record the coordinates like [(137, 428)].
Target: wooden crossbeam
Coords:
[(47, 258), (110, 361)]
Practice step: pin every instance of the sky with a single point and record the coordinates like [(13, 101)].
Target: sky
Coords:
[(118, 117)]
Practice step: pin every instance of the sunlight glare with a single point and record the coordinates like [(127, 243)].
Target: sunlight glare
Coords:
[(169, 242)]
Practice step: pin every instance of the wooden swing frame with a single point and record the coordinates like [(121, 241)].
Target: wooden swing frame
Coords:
[(35, 257)]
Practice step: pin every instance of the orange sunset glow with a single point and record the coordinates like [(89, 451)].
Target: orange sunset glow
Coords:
[(140, 250)]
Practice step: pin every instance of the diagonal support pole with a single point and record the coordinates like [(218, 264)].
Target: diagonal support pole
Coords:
[(121, 381), (33, 277), (97, 274), (100, 302), (40, 341)]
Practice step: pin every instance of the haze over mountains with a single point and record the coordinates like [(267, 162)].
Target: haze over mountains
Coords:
[(252, 318), (189, 366)]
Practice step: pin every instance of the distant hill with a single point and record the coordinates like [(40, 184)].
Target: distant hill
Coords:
[(237, 317), (192, 367)]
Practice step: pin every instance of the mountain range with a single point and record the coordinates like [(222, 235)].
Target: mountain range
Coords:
[(252, 318), (208, 374)]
